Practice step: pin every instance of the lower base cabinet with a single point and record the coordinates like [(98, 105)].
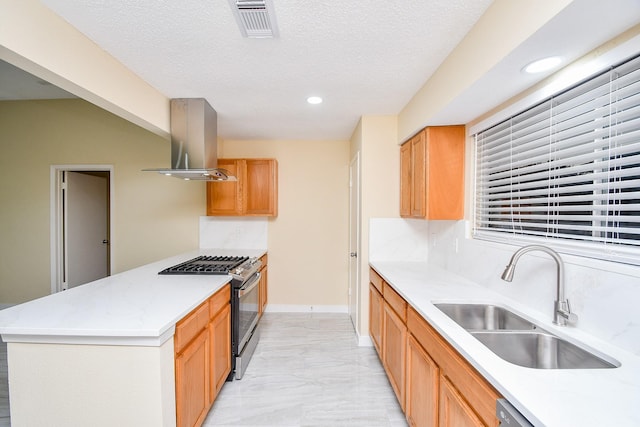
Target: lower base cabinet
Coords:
[(423, 386), (376, 305), (202, 345), (192, 394), (454, 410), (394, 338), (263, 286), (434, 384), (220, 345)]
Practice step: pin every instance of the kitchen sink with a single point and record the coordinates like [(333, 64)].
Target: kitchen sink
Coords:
[(520, 341), (485, 317), (540, 350)]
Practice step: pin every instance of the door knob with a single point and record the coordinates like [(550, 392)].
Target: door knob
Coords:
[(105, 242), (353, 254)]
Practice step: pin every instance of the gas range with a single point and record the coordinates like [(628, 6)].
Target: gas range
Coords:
[(244, 301), (239, 267)]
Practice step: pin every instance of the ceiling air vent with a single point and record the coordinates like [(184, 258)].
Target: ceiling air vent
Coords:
[(256, 18)]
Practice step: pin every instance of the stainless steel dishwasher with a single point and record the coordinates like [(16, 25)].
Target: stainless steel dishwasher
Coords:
[(509, 416)]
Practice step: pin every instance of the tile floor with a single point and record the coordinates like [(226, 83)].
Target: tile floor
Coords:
[(307, 371)]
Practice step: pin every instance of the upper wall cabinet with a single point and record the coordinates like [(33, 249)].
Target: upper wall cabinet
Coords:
[(432, 174), (255, 193)]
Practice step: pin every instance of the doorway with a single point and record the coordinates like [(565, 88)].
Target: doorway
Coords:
[(354, 240), (81, 225)]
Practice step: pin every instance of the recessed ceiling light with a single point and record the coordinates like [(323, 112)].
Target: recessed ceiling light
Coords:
[(544, 64), (314, 100)]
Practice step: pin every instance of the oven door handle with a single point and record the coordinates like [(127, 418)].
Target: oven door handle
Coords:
[(251, 283)]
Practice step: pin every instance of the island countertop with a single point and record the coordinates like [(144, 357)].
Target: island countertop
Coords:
[(135, 307)]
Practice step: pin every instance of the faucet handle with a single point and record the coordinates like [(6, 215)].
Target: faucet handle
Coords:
[(564, 310)]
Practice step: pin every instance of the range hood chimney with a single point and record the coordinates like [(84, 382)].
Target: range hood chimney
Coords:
[(194, 142)]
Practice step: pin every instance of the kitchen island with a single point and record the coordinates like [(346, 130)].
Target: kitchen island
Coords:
[(546, 397), (102, 354)]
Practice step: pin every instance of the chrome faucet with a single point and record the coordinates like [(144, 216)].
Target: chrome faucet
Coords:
[(561, 309)]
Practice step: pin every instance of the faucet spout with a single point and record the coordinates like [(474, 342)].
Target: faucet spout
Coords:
[(561, 310)]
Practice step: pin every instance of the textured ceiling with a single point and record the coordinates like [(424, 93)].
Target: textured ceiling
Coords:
[(363, 58)]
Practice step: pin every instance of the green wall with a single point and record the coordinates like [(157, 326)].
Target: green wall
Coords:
[(153, 216)]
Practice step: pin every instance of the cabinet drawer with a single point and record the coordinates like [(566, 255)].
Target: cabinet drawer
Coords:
[(219, 300), (466, 379), (188, 327), (396, 302), (375, 279)]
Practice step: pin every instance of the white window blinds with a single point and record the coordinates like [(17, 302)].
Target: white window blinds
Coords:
[(566, 172)]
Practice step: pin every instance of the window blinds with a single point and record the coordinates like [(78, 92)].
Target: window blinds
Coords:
[(567, 171)]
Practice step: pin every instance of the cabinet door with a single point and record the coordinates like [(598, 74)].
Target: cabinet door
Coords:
[(418, 176), (260, 187), (405, 180), (422, 387), (375, 318), (220, 337), (192, 385), (445, 179), (262, 291), (394, 341), (454, 410), (223, 198)]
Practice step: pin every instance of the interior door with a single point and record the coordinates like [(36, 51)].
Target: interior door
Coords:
[(86, 218), (354, 240)]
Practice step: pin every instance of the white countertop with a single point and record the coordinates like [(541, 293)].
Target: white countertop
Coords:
[(136, 307), (546, 397)]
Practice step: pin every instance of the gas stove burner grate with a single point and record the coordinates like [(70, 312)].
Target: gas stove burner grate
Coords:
[(206, 265)]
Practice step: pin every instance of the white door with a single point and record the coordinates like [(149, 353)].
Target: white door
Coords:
[(354, 240), (86, 219)]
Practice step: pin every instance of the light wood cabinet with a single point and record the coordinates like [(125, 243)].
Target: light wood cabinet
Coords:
[(432, 174), (255, 193), (225, 197), (465, 398), (192, 385), (220, 344), (434, 384), (263, 291), (376, 306), (394, 339), (202, 345), (454, 410), (423, 386)]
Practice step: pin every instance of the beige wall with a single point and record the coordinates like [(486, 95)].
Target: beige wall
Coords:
[(92, 385), (504, 26), (375, 138), (37, 40), (153, 216), (308, 240)]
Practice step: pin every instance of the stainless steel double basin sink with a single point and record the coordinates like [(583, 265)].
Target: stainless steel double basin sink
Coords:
[(520, 341)]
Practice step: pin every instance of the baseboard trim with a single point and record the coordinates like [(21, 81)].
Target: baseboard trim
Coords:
[(364, 341), (294, 308)]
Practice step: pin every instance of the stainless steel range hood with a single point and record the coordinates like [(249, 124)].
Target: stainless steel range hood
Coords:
[(194, 142)]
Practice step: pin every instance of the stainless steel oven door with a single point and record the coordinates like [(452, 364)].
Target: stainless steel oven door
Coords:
[(248, 310)]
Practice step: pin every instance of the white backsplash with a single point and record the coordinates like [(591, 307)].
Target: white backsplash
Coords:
[(392, 239), (604, 295), (233, 233)]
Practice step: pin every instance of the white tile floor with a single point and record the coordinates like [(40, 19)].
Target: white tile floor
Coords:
[(307, 371)]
